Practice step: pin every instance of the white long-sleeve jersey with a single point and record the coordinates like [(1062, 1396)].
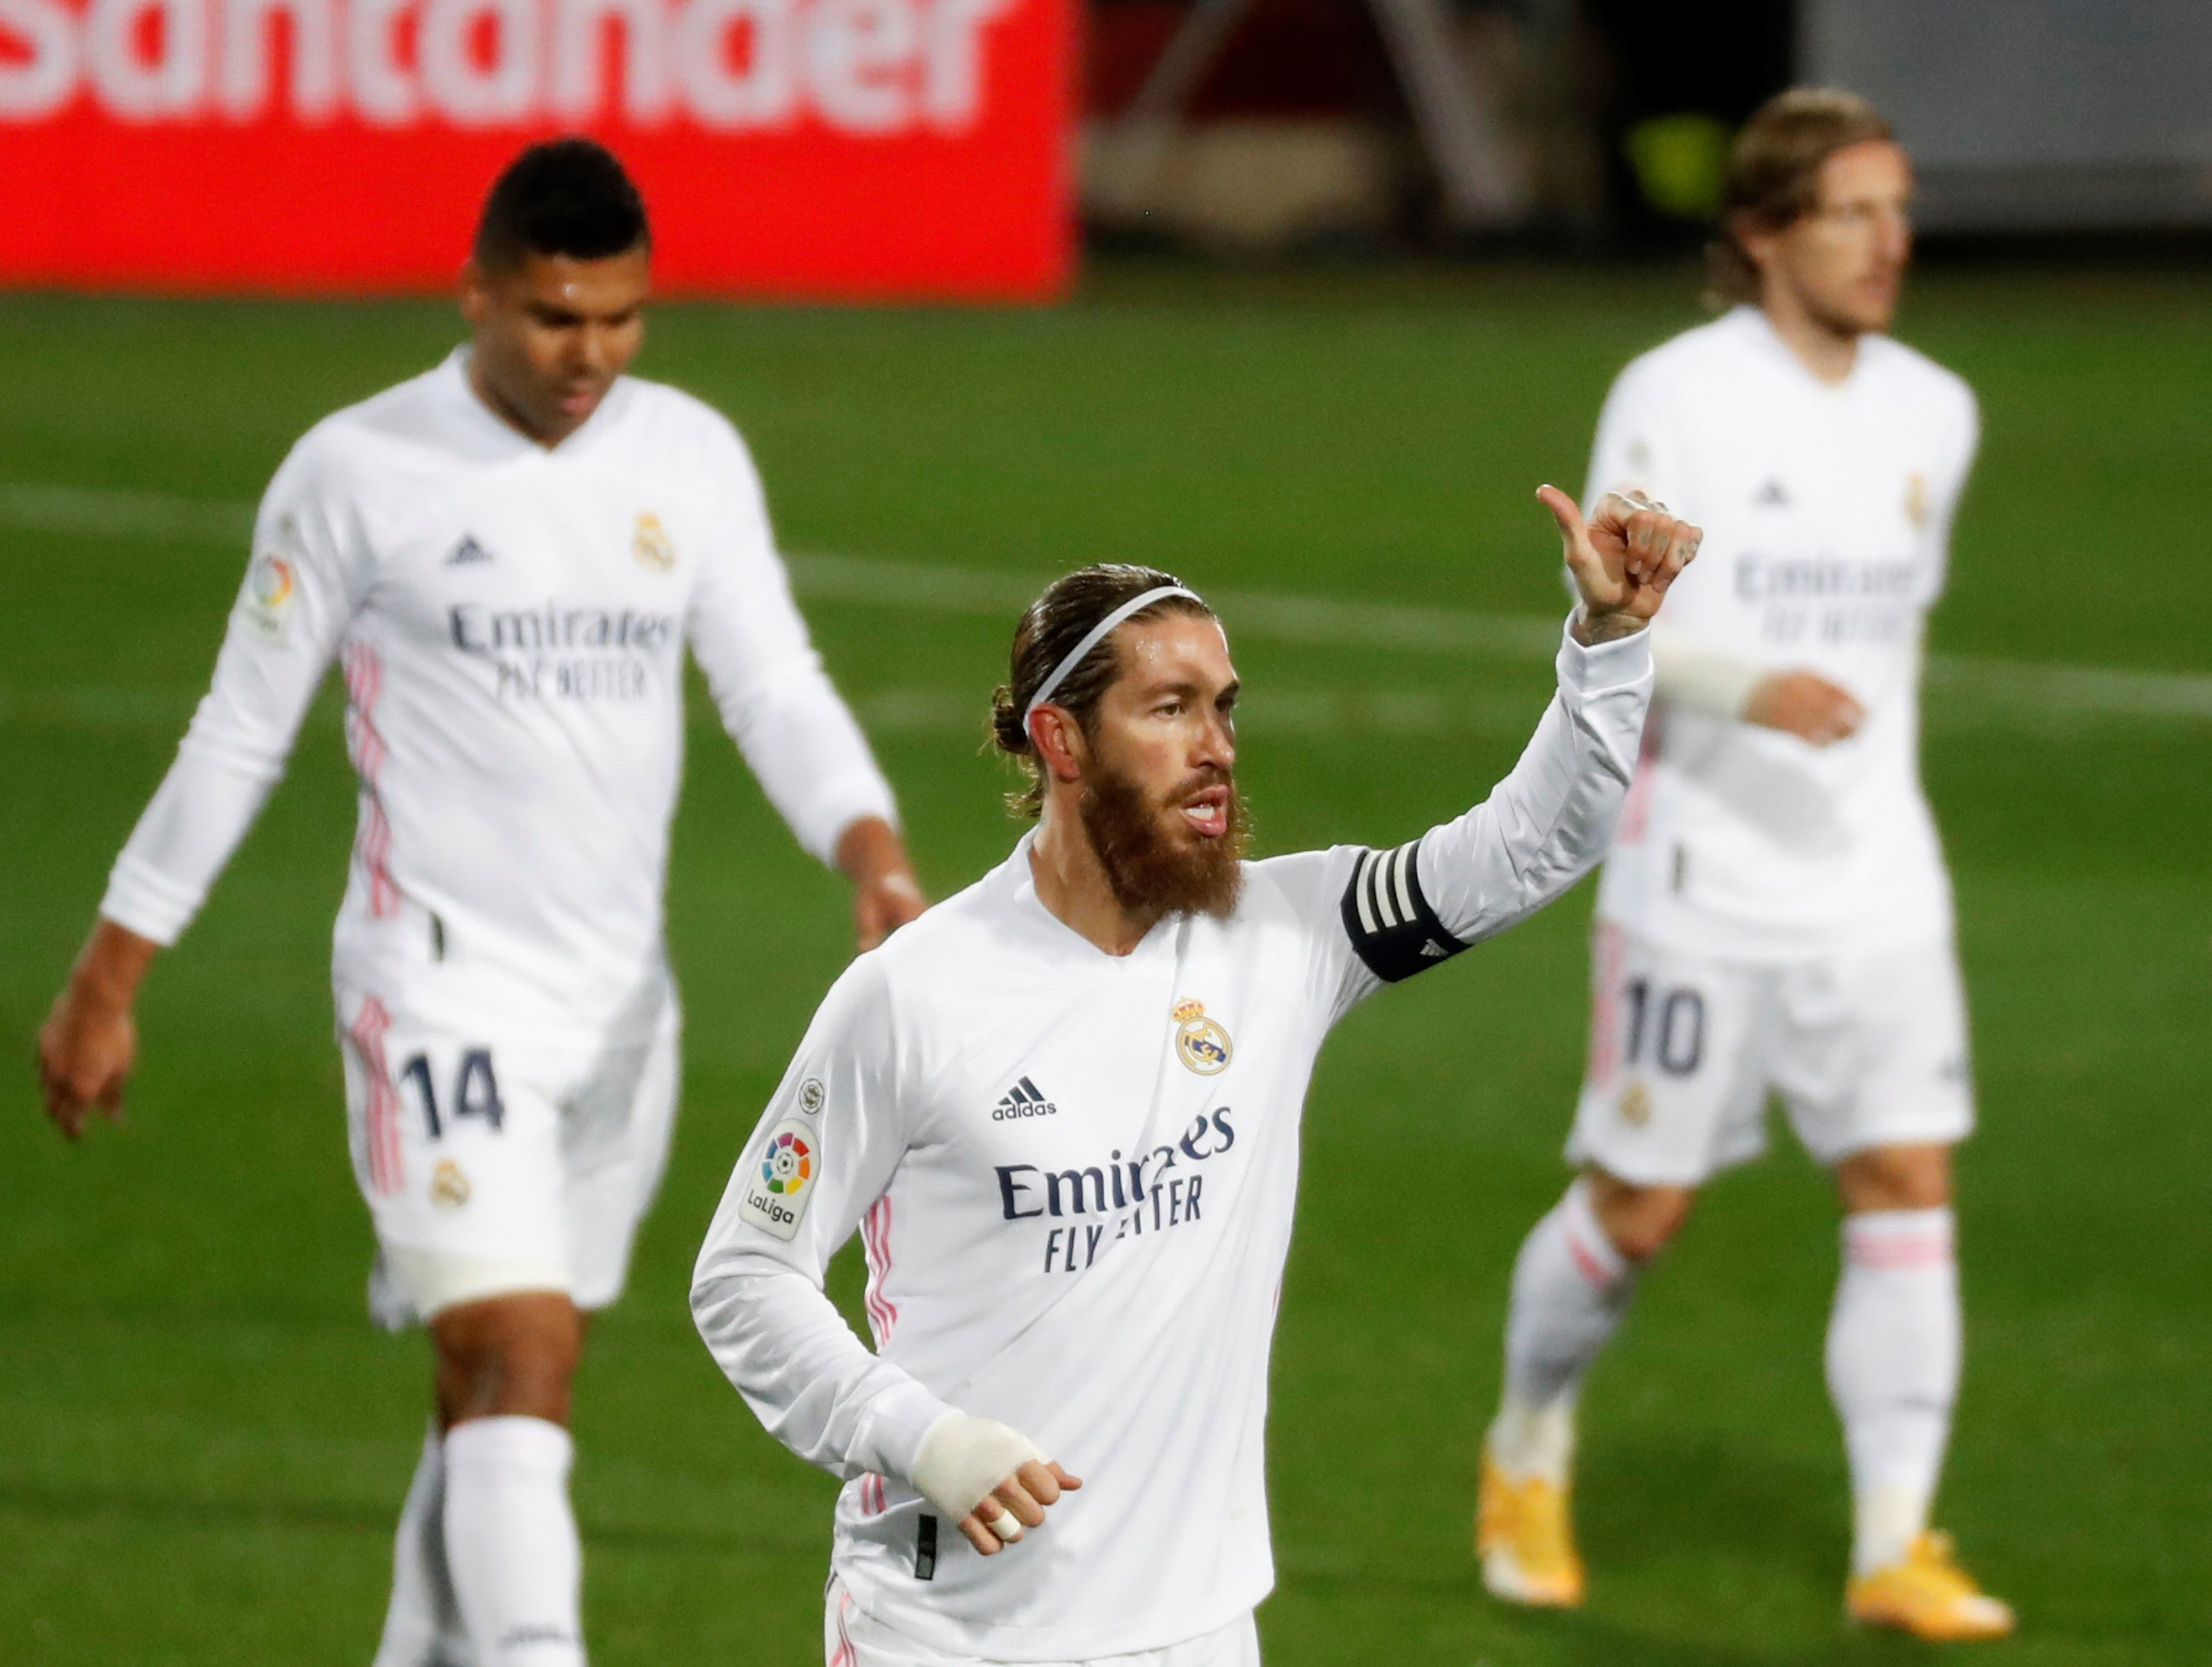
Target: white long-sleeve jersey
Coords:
[(1075, 1175), (511, 622), (1826, 510)]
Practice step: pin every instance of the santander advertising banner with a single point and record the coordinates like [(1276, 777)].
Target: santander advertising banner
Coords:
[(849, 148)]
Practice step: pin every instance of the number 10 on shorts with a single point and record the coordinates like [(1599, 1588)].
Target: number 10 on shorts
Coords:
[(1671, 1023)]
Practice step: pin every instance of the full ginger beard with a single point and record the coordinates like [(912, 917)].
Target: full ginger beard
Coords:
[(1154, 863)]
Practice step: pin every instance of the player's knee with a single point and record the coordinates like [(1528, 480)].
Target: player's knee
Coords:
[(508, 1357), (1895, 1178), (521, 1379), (1639, 1220)]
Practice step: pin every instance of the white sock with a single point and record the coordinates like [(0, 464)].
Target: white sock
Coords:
[(1893, 1347), (1570, 1287), (422, 1627), (511, 1542)]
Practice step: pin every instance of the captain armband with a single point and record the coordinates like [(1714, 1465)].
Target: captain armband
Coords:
[(1388, 921)]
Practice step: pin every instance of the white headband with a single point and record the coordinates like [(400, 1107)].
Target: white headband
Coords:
[(1097, 635)]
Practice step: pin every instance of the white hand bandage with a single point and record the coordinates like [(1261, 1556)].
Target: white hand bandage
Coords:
[(1700, 678), (963, 1458)]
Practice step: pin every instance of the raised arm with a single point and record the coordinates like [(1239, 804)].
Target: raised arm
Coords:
[(779, 705), (302, 587), (1549, 823)]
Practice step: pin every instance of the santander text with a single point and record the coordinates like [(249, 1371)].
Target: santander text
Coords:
[(864, 67)]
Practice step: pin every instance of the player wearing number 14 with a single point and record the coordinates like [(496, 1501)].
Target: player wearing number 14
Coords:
[(1775, 916), (509, 556)]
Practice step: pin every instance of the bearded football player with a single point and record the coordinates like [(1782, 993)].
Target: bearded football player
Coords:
[(509, 556), (1062, 1112), (1775, 916)]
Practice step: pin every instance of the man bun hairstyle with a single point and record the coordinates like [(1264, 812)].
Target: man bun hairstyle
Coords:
[(1049, 629), (563, 197), (1774, 175)]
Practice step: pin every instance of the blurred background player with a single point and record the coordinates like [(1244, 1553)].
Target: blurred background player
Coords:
[(1064, 1111), (1775, 916), (508, 554)]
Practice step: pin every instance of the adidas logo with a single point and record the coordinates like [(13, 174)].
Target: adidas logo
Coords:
[(1772, 496), (1024, 1100), (466, 551), (1433, 951)]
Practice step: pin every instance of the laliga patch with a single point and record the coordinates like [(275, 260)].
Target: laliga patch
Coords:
[(271, 588), (782, 1183)]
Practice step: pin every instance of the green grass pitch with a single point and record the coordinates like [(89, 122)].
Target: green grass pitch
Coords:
[(203, 1445)]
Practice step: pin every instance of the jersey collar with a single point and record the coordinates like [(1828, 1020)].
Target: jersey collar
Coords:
[(1015, 882), (1759, 333), (453, 375)]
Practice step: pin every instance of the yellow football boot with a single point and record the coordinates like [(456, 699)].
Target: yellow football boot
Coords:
[(1928, 1595), (1526, 1542)]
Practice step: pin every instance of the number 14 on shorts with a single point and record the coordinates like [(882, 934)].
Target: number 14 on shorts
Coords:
[(474, 1092)]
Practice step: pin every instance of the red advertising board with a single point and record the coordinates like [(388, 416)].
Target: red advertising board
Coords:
[(818, 148)]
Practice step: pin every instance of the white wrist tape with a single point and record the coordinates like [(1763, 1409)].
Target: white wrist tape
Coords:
[(1700, 678), (962, 1459)]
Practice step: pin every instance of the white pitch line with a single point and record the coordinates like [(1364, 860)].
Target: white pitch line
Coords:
[(1988, 689), (1271, 712), (1315, 714), (85, 512), (1003, 595), (93, 512), (1967, 690)]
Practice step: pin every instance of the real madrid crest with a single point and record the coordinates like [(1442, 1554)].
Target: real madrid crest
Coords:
[(651, 544), (1916, 499), (449, 1185), (1636, 1105), (1201, 1043)]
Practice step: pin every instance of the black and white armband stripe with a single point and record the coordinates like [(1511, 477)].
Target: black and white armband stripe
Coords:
[(1388, 921)]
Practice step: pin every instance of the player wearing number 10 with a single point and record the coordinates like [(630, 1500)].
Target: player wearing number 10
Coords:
[(509, 556), (1775, 916)]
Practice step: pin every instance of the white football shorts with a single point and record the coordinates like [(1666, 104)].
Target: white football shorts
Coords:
[(851, 1639), (492, 1167), (1863, 1048)]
